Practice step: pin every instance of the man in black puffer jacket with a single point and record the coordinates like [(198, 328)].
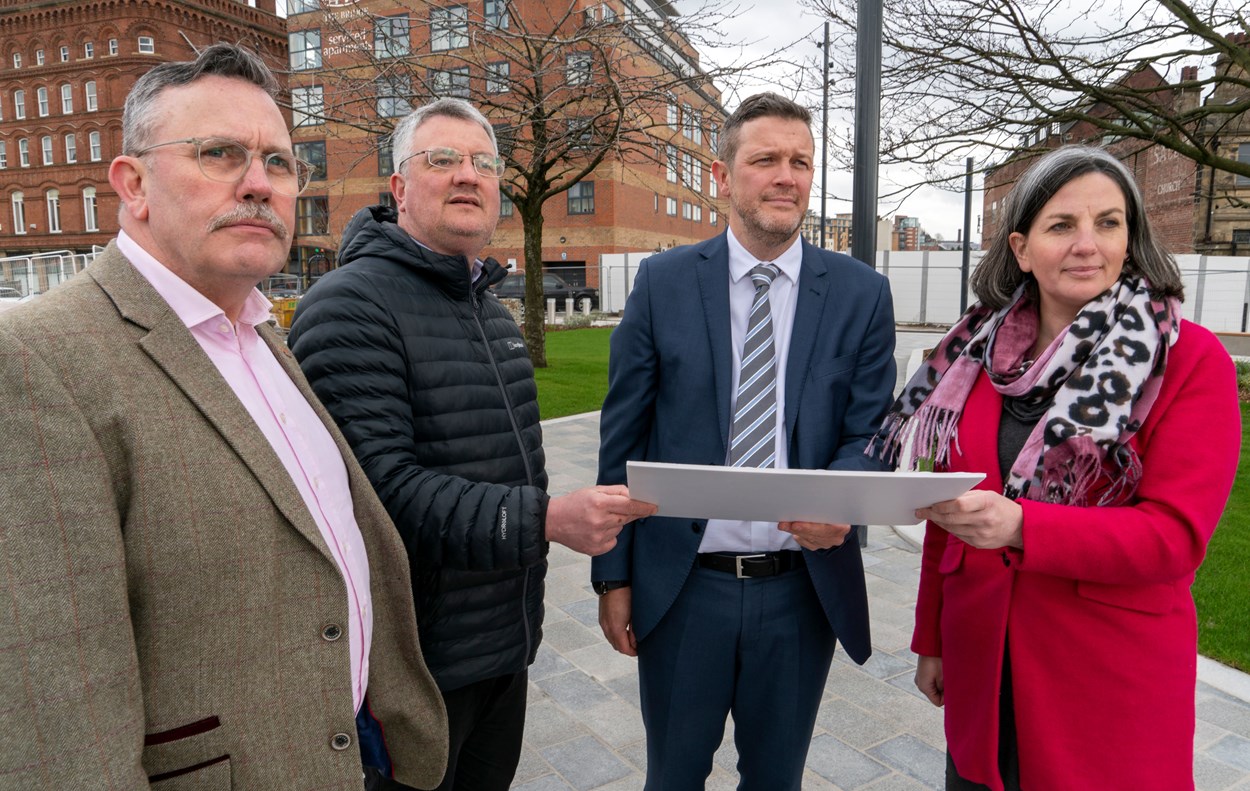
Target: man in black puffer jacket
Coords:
[(428, 376)]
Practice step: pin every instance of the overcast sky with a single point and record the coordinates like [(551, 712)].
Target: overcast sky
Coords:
[(770, 24)]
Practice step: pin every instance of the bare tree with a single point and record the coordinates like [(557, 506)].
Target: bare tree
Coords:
[(974, 78), (568, 89)]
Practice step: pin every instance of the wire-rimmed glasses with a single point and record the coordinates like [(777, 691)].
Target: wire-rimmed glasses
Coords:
[(226, 161), (487, 165)]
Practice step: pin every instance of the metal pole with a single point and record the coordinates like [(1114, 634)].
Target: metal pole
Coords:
[(824, 139), (867, 131), (966, 264)]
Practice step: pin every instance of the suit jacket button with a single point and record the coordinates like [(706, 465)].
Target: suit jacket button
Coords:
[(340, 741), (696, 527), (331, 632)]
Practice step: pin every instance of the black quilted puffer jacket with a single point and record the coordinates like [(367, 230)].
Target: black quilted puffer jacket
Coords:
[(428, 377)]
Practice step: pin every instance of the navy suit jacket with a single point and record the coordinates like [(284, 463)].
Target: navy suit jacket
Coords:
[(669, 400)]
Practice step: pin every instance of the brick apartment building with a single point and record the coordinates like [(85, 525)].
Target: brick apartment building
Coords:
[(1192, 209), (67, 67), (358, 68)]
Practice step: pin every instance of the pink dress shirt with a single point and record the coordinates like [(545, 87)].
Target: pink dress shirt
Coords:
[(293, 430)]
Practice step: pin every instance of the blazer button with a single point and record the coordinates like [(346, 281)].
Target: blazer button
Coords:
[(340, 741), (696, 527), (331, 632)]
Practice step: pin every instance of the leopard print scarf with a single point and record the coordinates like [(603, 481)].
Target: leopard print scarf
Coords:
[(1100, 377)]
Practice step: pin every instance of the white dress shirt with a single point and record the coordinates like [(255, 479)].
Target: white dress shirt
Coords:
[(729, 535)]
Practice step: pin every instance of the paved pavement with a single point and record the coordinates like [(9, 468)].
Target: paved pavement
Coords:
[(584, 729)]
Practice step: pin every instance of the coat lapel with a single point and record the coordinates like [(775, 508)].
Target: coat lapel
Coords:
[(175, 351), (712, 271), (808, 311)]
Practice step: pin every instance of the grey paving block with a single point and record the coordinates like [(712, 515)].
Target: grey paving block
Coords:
[(1213, 775), (1229, 715), (547, 723), (914, 758), (584, 763), (544, 783), (547, 663), (627, 688), (565, 636), (636, 754), (531, 766), (1206, 734), (585, 611), (616, 722), (842, 765), (631, 782), (883, 665), (895, 782), (852, 725), (907, 683), (575, 690), (602, 662), (1233, 750)]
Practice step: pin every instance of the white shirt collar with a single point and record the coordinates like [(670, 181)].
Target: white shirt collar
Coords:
[(741, 262)]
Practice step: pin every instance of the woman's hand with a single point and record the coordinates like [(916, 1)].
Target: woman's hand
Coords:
[(929, 678), (985, 520)]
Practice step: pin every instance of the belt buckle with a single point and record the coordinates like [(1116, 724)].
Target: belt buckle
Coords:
[(738, 564)]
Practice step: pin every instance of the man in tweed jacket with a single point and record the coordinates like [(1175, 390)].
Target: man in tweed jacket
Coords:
[(194, 595)]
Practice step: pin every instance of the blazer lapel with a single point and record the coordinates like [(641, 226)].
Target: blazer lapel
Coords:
[(808, 311), (712, 271), (175, 351)]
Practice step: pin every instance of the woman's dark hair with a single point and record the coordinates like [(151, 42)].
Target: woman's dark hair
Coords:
[(998, 275)]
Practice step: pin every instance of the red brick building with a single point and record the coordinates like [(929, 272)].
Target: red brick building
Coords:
[(358, 68), (65, 69)]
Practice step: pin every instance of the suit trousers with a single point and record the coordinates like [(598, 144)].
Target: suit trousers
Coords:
[(758, 649), (486, 721)]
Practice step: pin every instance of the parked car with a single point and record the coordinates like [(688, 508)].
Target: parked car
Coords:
[(554, 287)]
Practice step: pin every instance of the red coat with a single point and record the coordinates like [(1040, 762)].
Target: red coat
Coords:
[(1103, 635)]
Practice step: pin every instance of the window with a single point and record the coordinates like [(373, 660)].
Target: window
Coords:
[(307, 105), (505, 138), (88, 50), (449, 28), (1243, 156), (712, 189), (386, 157), (711, 217), (386, 199), (67, 99), (313, 153), (89, 90), (71, 149), (450, 82), (713, 138), (687, 170), (300, 6), (147, 46), (41, 97), (687, 118), (696, 175), (577, 68), (581, 134), (45, 144), (23, 152), (1241, 236), (694, 126), (393, 93), (53, 198), (305, 48), (698, 213), (19, 103), (4, 155), (497, 75), (497, 14), (582, 198), (38, 57), (686, 210), (670, 157), (112, 46), (672, 113), (19, 212), (390, 37), (671, 207), (506, 207), (65, 54), (93, 142), (312, 216), (17, 60), (1, 109), (90, 214)]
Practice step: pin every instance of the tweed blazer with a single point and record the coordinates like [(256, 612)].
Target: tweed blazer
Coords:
[(166, 594)]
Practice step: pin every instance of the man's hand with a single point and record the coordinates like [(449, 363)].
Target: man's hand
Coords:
[(929, 678), (615, 612), (815, 535), (983, 519), (588, 520)]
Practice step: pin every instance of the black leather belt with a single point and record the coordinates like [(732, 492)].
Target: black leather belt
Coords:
[(760, 564)]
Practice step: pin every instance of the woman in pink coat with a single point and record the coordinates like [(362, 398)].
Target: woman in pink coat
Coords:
[(1054, 619)]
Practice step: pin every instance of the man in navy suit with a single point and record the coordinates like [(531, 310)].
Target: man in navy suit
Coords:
[(733, 616)]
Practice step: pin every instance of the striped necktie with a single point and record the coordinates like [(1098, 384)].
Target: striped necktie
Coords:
[(755, 416)]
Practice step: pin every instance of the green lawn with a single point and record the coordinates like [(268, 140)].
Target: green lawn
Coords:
[(1222, 589), (576, 377)]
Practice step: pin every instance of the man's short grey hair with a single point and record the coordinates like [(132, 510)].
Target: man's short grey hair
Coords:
[(998, 274), (761, 105), (401, 137), (221, 60)]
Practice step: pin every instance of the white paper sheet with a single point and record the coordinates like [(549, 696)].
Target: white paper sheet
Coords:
[(863, 498)]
